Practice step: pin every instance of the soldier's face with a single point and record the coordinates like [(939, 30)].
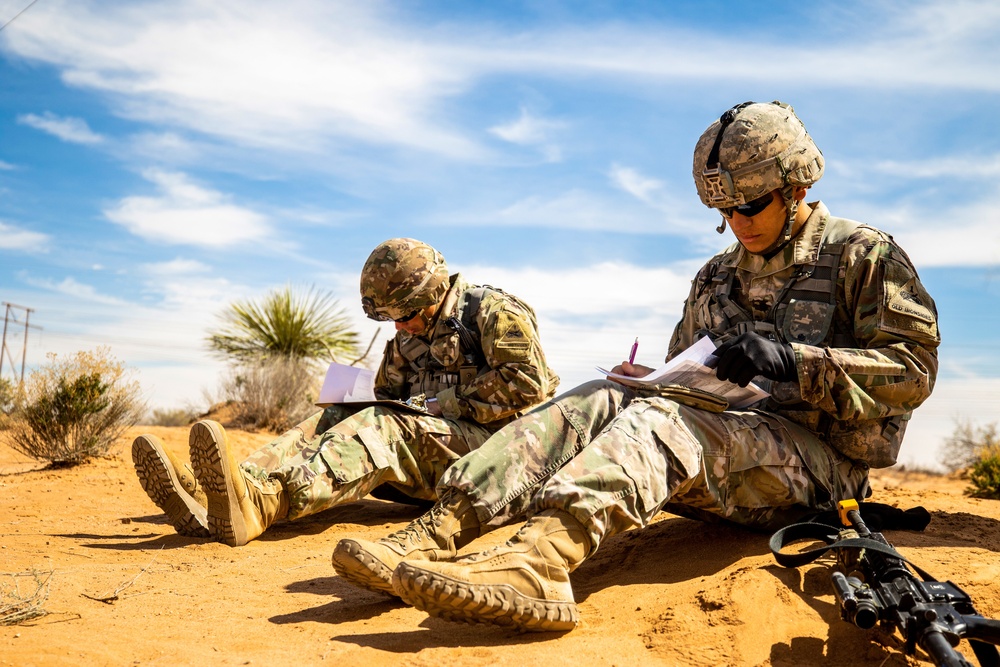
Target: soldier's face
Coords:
[(417, 324), (759, 232)]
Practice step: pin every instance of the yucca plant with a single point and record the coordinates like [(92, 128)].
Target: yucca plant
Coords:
[(309, 326)]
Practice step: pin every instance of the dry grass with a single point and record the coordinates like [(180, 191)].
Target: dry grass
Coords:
[(17, 607)]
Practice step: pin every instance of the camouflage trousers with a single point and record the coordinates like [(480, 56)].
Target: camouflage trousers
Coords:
[(613, 459), (340, 455)]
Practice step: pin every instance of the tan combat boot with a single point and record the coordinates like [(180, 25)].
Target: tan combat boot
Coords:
[(170, 484), (523, 583), (438, 535), (240, 506)]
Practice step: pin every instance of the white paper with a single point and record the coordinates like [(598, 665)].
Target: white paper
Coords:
[(695, 368), (347, 384)]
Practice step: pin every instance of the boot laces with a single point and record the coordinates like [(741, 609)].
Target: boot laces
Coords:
[(422, 527)]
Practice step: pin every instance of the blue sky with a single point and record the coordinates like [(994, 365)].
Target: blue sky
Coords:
[(159, 160)]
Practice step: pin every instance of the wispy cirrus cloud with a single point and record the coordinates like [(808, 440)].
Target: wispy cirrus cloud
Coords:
[(16, 238), (175, 267), (73, 130), (186, 213), (530, 129), (965, 167), (71, 287), (311, 75)]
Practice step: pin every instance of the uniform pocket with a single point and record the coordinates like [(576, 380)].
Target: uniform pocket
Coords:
[(661, 464), (765, 468)]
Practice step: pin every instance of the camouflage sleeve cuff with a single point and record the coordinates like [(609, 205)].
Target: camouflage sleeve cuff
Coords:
[(809, 363), (448, 402)]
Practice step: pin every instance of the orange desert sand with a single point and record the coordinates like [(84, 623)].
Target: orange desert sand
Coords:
[(677, 593)]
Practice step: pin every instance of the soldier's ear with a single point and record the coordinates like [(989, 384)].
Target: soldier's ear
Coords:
[(799, 193)]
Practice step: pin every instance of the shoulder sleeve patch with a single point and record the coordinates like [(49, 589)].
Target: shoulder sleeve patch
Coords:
[(513, 338), (907, 308)]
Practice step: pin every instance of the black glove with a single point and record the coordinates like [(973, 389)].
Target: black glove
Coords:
[(749, 355)]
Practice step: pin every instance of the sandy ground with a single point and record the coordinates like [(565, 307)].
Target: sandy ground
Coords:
[(676, 593)]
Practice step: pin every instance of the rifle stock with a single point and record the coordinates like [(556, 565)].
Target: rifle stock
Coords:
[(874, 585)]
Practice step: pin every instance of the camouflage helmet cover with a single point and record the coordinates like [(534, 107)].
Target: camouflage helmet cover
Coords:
[(401, 276), (750, 151)]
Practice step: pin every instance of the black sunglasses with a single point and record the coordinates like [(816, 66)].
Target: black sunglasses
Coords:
[(750, 209), (408, 317), (372, 312)]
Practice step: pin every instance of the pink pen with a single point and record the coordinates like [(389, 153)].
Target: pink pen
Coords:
[(635, 348)]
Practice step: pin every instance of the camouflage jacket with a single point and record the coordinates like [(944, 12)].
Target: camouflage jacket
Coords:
[(862, 326), (515, 375)]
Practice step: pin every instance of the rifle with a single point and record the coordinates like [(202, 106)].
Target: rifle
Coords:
[(874, 584)]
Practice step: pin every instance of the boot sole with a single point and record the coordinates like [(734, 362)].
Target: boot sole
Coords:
[(160, 483), (454, 600), (209, 450), (362, 569)]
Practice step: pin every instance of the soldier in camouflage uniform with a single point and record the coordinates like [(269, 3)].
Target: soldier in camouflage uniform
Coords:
[(827, 314), (469, 356)]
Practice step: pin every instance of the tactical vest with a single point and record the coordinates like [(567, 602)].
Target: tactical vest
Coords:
[(450, 360), (808, 311)]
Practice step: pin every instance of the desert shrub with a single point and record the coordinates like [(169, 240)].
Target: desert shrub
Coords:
[(18, 607), (74, 408), (964, 447), (7, 396), (172, 417), (272, 394), (984, 475)]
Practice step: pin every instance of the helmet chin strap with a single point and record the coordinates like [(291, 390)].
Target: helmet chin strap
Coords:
[(791, 207)]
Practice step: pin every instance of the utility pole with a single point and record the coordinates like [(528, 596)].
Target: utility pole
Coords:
[(10, 316)]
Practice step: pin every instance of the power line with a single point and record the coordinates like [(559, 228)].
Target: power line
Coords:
[(8, 317), (18, 14)]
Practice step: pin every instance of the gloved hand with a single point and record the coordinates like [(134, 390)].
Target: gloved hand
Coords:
[(749, 355)]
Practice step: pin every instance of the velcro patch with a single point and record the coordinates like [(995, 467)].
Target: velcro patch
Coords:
[(513, 338), (907, 307), (908, 301), (513, 332)]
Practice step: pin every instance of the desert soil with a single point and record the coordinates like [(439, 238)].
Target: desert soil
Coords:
[(124, 588)]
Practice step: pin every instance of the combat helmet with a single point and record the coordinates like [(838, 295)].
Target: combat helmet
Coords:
[(402, 276), (752, 149)]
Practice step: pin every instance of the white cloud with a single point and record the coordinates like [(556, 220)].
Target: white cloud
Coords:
[(15, 238), (576, 209), (311, 75), (73, 130), (174, 267), (965, 167), (6, 166), (76, 290), (651, 191), (292, 75), (186, 213), (606, 289), (631, 181), (531, 130), (967, 234), (954, 400)]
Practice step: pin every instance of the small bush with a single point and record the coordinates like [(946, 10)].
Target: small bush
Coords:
[(174, 417), (17, 607), (7, 396), (75, 408), (985, 474), (272, 394), (964, 447)]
